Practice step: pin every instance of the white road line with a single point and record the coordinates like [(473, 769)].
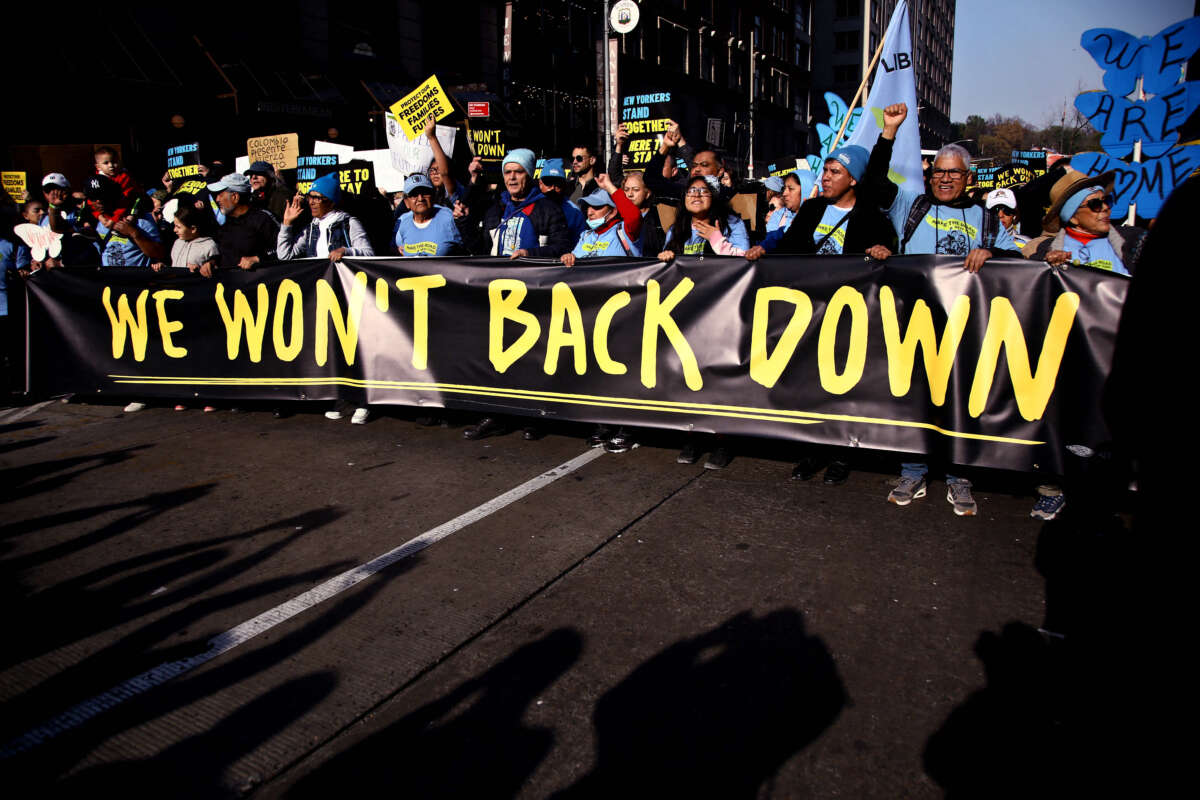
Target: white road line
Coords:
[(15, 414), (240, 634)]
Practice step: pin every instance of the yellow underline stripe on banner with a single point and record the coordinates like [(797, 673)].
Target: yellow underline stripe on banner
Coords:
[(775, 415)]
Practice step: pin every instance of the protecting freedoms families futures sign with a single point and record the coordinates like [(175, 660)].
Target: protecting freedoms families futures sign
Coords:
[(1004, 368), (413, 110), (14, 184), (183, 161), (280, 151)]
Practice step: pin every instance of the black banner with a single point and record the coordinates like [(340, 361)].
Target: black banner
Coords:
[(1004, 368)]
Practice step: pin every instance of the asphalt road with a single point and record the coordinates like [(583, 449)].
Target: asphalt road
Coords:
[(628, 625)]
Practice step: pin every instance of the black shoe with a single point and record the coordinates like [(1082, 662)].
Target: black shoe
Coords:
[(531, 433), (806, 468), (718, 459), (599, 437), (690, 454), (488, 426), (622, 442), (836, 473)]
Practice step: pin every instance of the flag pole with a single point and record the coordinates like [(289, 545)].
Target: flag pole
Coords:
[(850, 110)]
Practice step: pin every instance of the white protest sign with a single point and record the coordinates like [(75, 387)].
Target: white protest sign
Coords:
[(409, 156), (387, 177), (241, 164), (344, 152)]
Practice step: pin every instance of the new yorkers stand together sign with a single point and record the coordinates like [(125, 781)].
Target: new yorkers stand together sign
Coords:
[(1004, 368)]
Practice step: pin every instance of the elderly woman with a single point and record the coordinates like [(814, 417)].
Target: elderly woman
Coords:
[(1078, 227), (332, 234)]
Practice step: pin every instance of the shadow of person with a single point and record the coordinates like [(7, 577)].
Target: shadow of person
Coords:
[(471, 742), (715, 715)]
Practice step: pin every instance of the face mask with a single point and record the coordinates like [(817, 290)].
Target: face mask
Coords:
[(596, 223), (713, 182)]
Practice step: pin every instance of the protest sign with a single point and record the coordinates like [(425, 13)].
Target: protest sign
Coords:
[(14, 183), (183, 161), (1034, 159), (357, 177), (309, 168), (488, 144), (647, 116), (985, 177), (241, 164), (837, 115), (415, 155), (414, 109), (280, 150), (817, 349), (387, 177), (344, 152), (785, 166), (1012, 174)]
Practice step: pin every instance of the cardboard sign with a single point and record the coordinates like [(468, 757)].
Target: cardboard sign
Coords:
[(479, 109), (280, 150), (415, 155), (647, 116), (309, 168), (15, 184), (414, 109), (183, 161)]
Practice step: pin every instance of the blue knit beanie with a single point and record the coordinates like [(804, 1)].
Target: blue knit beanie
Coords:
[(327, 186), (522, 157), (853, 157)]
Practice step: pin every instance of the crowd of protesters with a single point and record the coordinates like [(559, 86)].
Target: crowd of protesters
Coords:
[(569, 212)]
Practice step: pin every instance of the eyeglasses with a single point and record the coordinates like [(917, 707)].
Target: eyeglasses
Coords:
[(949, 173), (1097, 204), (698, 192)]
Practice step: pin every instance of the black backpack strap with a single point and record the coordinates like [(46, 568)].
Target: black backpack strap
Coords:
[(920, 208), (991, 229), (817, 247)]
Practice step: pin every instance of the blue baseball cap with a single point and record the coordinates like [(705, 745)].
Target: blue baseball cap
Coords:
[(774, 183), (853, 157), (597, 199), (553, 168), (417, 180)]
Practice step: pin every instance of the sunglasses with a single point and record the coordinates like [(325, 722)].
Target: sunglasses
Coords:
[(578, 158), (1005, 210), (1097, 204)]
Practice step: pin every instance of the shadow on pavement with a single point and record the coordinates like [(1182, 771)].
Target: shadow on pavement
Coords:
[(716, 715), (199, 765), (472, 742), (20, 444), (27, 480)]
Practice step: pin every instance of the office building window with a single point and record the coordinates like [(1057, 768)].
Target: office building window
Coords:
[(672, 45)]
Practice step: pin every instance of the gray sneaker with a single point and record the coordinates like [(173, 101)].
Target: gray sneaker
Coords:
[(959, 494), (907, 490)]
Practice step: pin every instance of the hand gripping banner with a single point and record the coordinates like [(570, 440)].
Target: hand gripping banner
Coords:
[(1004, 368)]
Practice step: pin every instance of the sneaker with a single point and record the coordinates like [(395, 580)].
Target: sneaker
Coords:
[(334, 414), (1048, 506), (907, 490), (531, 433), (132, 407), (180, 407), (621, 442), (959, 494), (690, 454), (488, 426), (806, 467), (209, 409), (599, 437), (360, 416), (718, 459)]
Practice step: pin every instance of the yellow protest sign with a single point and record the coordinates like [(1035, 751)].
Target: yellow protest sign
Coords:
[(280, 150), (14, 184), (412, 111)]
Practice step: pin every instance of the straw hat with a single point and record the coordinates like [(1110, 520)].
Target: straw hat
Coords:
[(1069, 184)]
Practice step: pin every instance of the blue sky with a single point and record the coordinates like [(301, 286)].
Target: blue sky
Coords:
[(1021, 58)]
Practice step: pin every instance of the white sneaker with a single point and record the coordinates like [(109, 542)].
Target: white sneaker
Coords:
[(132, 407), (335, 414), (360, 416)]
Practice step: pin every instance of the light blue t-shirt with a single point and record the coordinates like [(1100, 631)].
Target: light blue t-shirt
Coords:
[(608, 243), (780, 218), (1098, 253), (435, 239), (830, 221), (944, 230), (695, 244), (8, 260), (122, 252)]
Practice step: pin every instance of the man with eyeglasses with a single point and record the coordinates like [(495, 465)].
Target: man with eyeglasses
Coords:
[(946, 222), (583, 172), (1078, 227), (665, 178)]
